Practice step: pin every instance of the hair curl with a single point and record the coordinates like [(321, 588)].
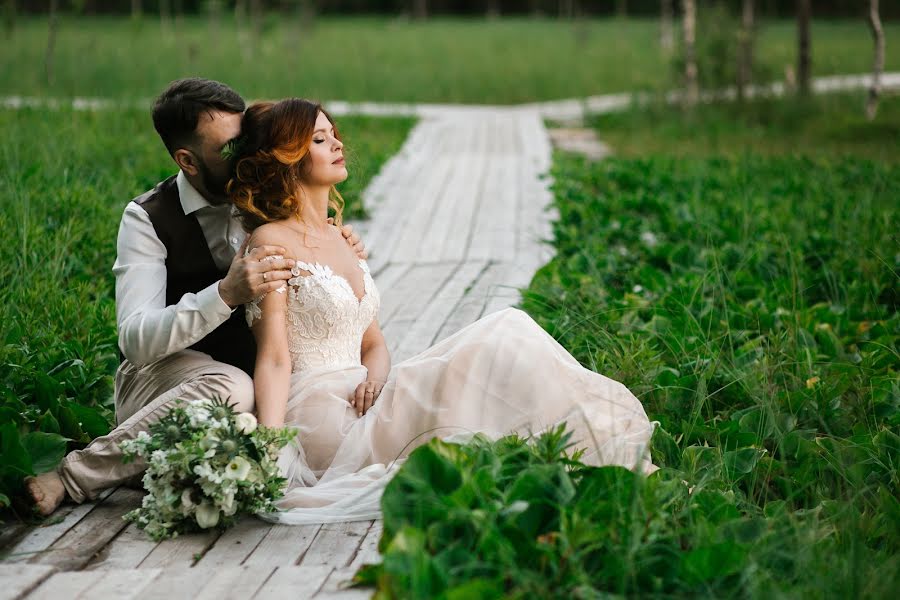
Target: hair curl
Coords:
[(272, 158)]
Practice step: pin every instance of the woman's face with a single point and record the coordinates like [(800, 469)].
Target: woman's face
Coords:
[(326, 155)]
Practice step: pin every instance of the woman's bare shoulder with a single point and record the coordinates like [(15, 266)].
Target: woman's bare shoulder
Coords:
[(273, 234)]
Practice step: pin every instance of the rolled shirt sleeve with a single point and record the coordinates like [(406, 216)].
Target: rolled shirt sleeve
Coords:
[(148, 329)]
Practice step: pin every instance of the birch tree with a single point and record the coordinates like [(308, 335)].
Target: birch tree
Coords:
[(9, 18), (689, 24), (53, 26), (804, 51), (878, 37), (666, 27), (745, 52), (420, 9)]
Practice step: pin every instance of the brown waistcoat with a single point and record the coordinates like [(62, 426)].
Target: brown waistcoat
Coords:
[(190, 268)]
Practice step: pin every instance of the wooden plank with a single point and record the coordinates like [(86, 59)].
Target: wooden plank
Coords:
[(335, 587), (119, 584), (69, 584), (461, 210), (421, 333), (293, 582), (336, 544), (10, 534), (40, 538), (182, 551), (405, 300), (126, 551), (179, 582), (234, 582), (79, 544), (283, 545), (236, 544), (470, 308), (368, 548), (18, 580)]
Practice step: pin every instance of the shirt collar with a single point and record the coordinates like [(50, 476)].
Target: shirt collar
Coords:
[(191, 200)]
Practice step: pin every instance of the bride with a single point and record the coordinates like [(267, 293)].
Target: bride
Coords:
[(323, 366)]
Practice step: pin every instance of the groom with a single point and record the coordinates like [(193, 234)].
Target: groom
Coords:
[(181, 281)]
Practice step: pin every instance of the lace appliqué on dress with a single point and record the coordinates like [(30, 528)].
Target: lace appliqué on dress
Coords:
[(326, 320)]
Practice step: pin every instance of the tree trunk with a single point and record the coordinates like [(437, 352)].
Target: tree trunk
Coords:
[(666, 35), (53, 26), (689, 23), (493, 9), (622, 8), (566, 9), (745, 53), (420, 9), (9, 18), (804, 50), (179, 15), (256, 19), (137, 10), (534, 8), (214, 14), (878, 66)]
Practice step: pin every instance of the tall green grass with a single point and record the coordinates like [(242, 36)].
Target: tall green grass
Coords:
[(65, 178), (380, 59)]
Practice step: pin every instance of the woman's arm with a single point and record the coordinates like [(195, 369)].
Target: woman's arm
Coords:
[(377, 360), (272, 375)]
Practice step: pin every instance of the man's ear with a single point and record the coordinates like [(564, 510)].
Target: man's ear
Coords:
[(186, 161)]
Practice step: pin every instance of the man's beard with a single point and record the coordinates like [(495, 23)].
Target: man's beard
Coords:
[(214, 185)]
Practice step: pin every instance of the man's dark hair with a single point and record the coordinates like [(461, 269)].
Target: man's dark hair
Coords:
[(177, 110)]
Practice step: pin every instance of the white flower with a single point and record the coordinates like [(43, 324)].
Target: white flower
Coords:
[(207, 515), (649, 239), (237, 469), (637, 289), (229, 506), (186, 501), (246, 422), (143, 437)]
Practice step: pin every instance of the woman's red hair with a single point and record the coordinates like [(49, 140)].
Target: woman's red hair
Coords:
[(272, 159)]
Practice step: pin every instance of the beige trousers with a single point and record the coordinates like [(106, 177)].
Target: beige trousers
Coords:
[(142, 396)]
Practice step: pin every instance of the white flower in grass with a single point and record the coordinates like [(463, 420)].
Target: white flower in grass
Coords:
[(207, 515), (649, 239), (245, 422), (237, 469)]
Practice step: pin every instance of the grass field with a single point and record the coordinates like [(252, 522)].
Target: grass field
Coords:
[(380, 59), (64, 179), (830, 127)]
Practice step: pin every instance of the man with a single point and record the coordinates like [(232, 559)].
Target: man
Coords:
[(181, 281)]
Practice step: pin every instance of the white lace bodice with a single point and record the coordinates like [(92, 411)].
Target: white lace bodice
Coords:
[(326, 321)]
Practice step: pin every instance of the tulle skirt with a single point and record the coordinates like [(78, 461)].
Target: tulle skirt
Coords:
[(501, 374)]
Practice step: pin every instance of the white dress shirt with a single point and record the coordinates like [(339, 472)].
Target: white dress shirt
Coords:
[(148, 329)]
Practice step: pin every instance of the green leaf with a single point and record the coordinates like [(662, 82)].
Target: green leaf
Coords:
[(13, 455), (740, 462), (712, 562), (45, 450), (90, 420)]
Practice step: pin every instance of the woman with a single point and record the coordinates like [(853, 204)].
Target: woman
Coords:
[(323, 365)]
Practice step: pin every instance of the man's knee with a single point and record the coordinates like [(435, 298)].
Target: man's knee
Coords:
[(232, 385)]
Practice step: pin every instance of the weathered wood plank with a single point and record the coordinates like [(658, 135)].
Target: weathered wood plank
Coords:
[(283, 545), (335, 587), (67, 584), (293, 582), (336, 544), (235, 583), (406, 299), (40, 538), (118, 584), (11, 533), (182, 551), (421, 333), (179, 582), (19, 580), (78, 545), (126, 551), (236, 544), (368, 548)]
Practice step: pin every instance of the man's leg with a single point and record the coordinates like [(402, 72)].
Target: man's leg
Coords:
[(143, 396)]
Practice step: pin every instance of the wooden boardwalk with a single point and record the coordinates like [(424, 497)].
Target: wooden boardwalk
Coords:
[(458, 219)]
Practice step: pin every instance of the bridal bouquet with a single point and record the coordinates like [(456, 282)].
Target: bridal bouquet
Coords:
[(205, 464)]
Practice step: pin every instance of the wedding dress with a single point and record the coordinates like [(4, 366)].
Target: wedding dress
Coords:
[(499, 375)]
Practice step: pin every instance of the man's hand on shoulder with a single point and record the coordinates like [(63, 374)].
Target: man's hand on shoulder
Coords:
[(354, 240), (250, 277)]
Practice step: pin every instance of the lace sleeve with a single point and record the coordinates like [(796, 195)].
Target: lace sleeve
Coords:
[(252, 311)]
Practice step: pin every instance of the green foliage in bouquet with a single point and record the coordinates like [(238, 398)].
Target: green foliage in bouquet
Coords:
[(205, 465)]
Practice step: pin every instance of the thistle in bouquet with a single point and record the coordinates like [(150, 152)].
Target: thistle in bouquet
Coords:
[(206, 464)]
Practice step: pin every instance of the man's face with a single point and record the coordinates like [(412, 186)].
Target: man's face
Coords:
[(214, 130)]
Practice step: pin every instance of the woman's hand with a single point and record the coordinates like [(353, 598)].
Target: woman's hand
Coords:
[(365, 395)]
